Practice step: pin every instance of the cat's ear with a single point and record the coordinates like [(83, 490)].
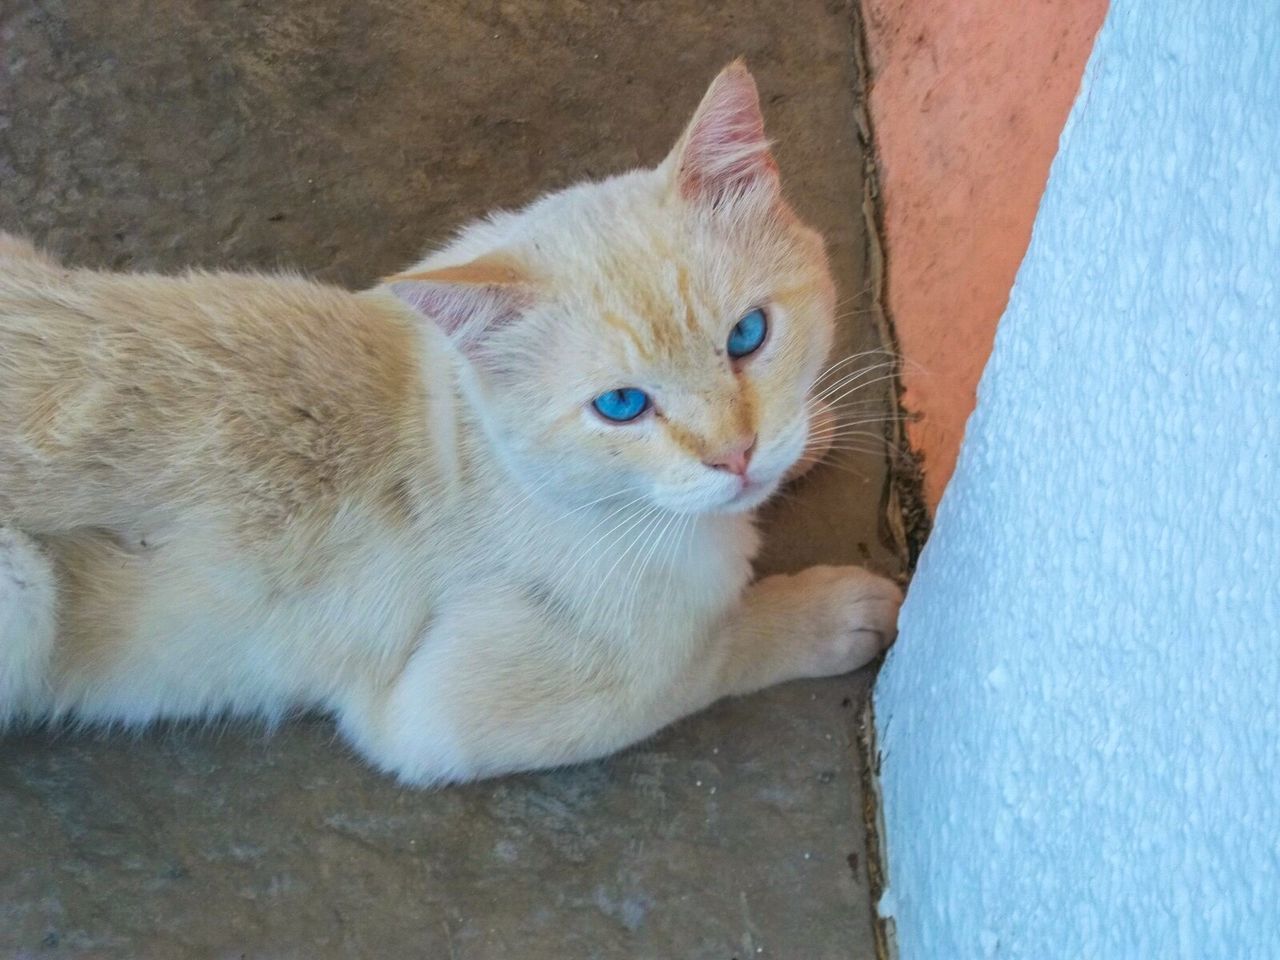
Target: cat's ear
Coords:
[(468, 300), (723, 151)]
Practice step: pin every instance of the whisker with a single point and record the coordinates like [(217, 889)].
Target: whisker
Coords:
[(638, 577), (868, 370), (851, 447), (858, 295), (843, 467), (607, 496), (582, 550), (677, 552), (861, 355), (861, 386), (527, 492), (862, 404), (849, 429), (649, 516), (860, 312)]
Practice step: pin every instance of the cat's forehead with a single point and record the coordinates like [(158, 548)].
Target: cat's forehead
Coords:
[(647, 306), (628, 242)]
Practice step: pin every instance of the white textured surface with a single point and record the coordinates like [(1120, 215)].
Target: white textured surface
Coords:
[(1079, 725)]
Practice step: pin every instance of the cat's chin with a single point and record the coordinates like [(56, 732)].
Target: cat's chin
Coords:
[(753, 495), (725, 500), (748, 498)]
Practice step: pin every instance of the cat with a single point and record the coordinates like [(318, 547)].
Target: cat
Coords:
[(493, 514)]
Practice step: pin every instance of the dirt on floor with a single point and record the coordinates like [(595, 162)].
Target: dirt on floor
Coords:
[(340, 139)]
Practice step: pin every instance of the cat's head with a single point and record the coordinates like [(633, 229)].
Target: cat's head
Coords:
[(653, 336)]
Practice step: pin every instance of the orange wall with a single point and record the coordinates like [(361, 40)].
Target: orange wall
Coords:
[(968, 98)]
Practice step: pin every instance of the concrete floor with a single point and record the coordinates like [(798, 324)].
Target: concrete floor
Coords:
[(339, 139)]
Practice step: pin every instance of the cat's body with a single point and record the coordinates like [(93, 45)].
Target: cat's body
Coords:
[(251, 494)]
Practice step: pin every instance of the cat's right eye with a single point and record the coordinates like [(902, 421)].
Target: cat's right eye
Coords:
[(748, 334), (622, 405)]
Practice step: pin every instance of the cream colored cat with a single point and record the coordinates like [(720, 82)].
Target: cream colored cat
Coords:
[(492, 514)]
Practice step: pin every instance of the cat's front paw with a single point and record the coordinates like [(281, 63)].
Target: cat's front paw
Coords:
[(853, 617)]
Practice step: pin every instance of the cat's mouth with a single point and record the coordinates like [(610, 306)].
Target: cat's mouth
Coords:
[(751, 493), (758, 484)]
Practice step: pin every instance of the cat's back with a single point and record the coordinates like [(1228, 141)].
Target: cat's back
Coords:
[(150, 388), (251, 327)]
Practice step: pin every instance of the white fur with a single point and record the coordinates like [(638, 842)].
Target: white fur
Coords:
[(28, 611)]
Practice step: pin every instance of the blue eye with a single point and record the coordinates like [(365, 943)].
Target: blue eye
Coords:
[(747, 334), (621, 405)]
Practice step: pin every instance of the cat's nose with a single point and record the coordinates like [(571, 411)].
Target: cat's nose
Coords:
[(736, 458)]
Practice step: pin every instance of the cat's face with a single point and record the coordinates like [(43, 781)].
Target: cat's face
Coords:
[(650, 338)]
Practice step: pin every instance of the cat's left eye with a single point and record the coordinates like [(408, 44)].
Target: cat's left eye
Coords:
[(747, 334), (622, 405)]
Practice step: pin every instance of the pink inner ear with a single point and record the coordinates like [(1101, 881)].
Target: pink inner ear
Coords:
[(725, 149), (464, 311)]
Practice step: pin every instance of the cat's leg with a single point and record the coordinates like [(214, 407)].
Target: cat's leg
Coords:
[(820, 622), (495, 686), (28, 621), (501, 686)]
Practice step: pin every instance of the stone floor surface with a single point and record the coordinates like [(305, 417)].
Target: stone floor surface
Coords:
[(339, 139)]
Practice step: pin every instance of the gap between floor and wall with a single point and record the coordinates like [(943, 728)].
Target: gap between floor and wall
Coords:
[(904, 513)]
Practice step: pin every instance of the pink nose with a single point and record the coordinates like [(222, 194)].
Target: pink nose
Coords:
[(736, 458)]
